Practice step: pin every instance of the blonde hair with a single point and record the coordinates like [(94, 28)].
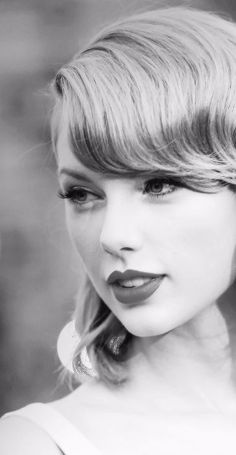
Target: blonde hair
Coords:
[(152, 93)]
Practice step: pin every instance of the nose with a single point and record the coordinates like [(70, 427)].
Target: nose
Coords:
[(120, 230)]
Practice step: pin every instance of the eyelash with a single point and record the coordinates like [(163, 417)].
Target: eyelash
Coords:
[(72, 194), (171, 187)]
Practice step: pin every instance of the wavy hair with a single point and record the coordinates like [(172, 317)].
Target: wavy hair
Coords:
[(154, 92)]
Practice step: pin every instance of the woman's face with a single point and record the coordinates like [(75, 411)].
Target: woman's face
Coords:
[(118, 224)]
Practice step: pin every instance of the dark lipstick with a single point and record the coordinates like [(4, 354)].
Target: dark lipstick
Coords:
[(134, 294)]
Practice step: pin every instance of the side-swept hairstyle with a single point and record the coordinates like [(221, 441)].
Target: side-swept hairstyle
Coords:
[(152, 93)]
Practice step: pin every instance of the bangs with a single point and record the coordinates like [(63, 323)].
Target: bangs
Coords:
[(131, 112)]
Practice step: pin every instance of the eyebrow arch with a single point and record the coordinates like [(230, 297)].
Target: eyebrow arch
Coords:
[(74, 174)]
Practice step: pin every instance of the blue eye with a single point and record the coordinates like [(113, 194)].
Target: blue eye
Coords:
[(158, 188), (78, 196)]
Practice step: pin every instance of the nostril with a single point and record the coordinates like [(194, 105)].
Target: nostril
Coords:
[(110, 250), (117, 239), (115, 250)]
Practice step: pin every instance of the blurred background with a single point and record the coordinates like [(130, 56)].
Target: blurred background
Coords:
[(39, 272)]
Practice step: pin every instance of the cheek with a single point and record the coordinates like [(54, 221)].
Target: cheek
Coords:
[(84, 233), (202, 245)]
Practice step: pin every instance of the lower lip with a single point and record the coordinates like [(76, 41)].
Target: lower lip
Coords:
[(136, 294)]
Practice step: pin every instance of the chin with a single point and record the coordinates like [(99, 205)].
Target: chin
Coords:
[(154, 323), (144, 330)]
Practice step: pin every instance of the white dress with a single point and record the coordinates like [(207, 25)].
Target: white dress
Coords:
[(65, 435), (207, 437)]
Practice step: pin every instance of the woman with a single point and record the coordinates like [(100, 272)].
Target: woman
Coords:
[(144, 132)]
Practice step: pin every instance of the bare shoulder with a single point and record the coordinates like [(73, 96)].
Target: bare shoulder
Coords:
[(20, 436)]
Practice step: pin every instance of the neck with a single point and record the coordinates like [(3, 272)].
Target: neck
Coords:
[(191, 366)]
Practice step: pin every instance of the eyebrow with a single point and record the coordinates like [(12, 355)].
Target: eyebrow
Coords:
[(75, 174)]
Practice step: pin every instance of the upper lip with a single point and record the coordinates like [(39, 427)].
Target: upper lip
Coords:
[(129, 274)]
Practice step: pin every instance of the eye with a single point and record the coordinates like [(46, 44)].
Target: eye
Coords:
[(78, 196), (158, 188)]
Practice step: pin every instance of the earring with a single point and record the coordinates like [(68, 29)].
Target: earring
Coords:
[(115, 343), (82, 365), (66, 345)]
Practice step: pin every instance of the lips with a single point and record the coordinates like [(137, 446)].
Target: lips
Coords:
[(132, 294)]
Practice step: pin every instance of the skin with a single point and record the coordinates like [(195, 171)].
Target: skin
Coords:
[(182, 335), (188, 236)]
